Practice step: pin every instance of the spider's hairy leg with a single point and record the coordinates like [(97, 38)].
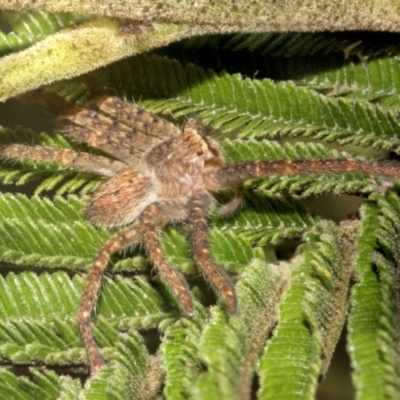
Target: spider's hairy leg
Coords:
[(231, 174), (88, 126), (88, 162), (198, 206), (150, 219), (235, 203), (131, 115), (126, 237), (126, 132)]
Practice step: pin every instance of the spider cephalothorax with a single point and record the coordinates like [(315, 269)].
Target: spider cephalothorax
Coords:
[(160, 174), (166, 174)]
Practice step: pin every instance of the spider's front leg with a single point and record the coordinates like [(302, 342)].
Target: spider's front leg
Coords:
[(126, 237), (198, 206), (151, 219), (227, 175)]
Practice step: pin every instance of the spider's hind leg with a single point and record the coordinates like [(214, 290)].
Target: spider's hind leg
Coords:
[(151, 219), (198, 206), (126, 237)]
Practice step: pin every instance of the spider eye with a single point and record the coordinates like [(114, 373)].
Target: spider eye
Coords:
[(200, 152)]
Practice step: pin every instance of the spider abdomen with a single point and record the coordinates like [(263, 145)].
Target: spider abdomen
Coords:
[(121, 199)]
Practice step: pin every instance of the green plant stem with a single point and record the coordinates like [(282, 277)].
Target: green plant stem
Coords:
[(81, 49), (75, 51)]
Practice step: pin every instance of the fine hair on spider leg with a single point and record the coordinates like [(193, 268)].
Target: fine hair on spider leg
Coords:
[(160, 174), (149, 221), (231, 174), (198, 207), (126, 237)]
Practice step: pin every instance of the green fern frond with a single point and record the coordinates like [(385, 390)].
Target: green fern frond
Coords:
[(75, 92), (44, 385), (266, 109), (230, 250), (373, 328), (332, 74), (267, 218), (221, 348), (124, 378), (389, 334), (46, 330), (31, 26), (181, 361), (192, 342), (256, 108), (57, 295), (63, 244), (318, 287), (355, 80), (71, 242), (241, 150), (291, 43), (329, 62), (135, 314), (229, 348), (264, 218)]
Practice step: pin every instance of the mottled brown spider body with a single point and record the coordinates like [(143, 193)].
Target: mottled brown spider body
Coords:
[(157, 177), (160, 174), (165, 174)]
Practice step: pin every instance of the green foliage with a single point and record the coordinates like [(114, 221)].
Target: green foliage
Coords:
[(311, 90), (45, 385), (293, 43), (351, 79), (373, 326), (318, 290), (181, 361), (256, 108), (30, 27), (230, 347)]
